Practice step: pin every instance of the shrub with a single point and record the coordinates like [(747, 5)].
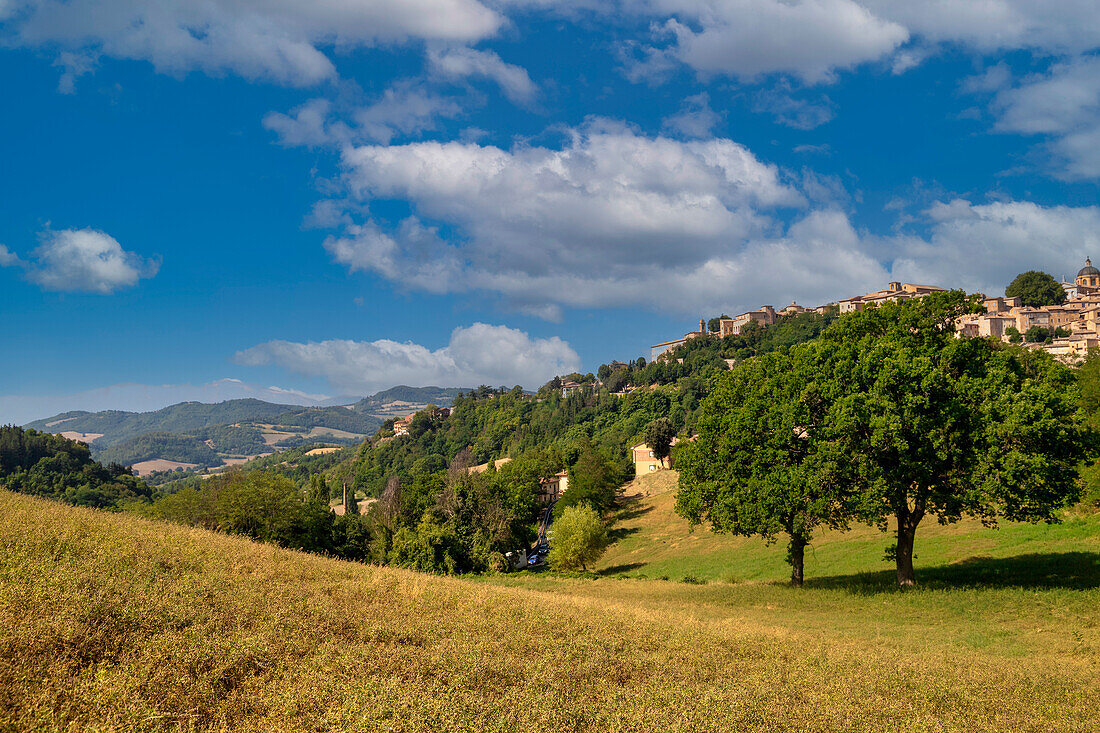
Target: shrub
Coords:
[(579, 539)]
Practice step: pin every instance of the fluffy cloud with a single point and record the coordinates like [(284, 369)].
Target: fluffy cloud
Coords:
[(477, 354), (614, 219), (813, 39), (7, 257), (608, 205), (459, 63), (981, 247), (695, 118), (789, 110), (1066, 26), (810, 39), (406, 108), (277, 40), (1063, 104), (21, 409), (82, 260)]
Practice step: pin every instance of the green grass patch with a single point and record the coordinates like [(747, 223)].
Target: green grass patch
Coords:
[(651, 540)]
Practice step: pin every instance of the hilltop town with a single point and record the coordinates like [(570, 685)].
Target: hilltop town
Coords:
[(1066, 330)]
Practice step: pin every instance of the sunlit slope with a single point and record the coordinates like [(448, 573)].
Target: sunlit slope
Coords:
[(111, 622), (652, 541)]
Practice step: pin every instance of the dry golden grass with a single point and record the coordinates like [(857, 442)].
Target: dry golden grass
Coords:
[(108, 622)]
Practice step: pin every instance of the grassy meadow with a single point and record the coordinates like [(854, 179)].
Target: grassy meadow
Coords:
[(652, 541), (110, 622)]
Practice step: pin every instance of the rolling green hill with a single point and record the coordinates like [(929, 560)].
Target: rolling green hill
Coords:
[(186, 417), (439, 396), (110, 622), (362, 418), (166, 446), (235, 427)]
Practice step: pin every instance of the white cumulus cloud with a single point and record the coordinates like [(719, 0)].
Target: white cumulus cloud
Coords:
[(276, 40), (81, 260), (7, 257), (531, 222), (459, 63), (614, 219), (1064, 106), (476, 354), (406, 108), (814, 39), (810, 39), (981, 247), (1065, 26)]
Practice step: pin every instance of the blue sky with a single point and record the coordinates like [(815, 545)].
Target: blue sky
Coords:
[(299, 201)]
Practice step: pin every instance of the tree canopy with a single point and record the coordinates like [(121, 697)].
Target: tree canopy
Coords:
[(1036, 289), (658, 436), (897, 419), (943, 426), (766, 460)]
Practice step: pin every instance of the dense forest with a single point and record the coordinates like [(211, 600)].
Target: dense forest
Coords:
[(338, 418), (169, 446), (58, 468)]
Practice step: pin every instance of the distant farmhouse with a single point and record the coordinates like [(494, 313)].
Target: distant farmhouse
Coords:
[(401, 426), (551, 489), (644, 461)]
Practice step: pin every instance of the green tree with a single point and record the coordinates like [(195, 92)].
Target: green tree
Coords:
[(658, 436), (592, 481), (937, 425), (1038, 334), (1036, 289), (318, 492), (766, 460), (579, 538)]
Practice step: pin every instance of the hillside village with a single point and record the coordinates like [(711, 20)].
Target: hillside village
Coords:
[(1067, 330)]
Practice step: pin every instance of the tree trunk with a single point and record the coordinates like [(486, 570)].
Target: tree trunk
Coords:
[(796, 551), (907, 530)]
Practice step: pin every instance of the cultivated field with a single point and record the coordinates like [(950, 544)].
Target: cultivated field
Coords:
[(144, 468), (112, 622)]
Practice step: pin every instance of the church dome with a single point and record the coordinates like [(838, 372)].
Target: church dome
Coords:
[(1088, 269)]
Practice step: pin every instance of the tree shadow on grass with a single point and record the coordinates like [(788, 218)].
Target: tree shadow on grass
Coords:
[(632, 511), (624, 568), (1069, 570), (618, 533)]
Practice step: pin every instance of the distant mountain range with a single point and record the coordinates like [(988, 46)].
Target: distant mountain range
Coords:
[(202, 435)]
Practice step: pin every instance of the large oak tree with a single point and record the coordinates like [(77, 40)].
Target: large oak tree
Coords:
[(943, 426), (766, 461)]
